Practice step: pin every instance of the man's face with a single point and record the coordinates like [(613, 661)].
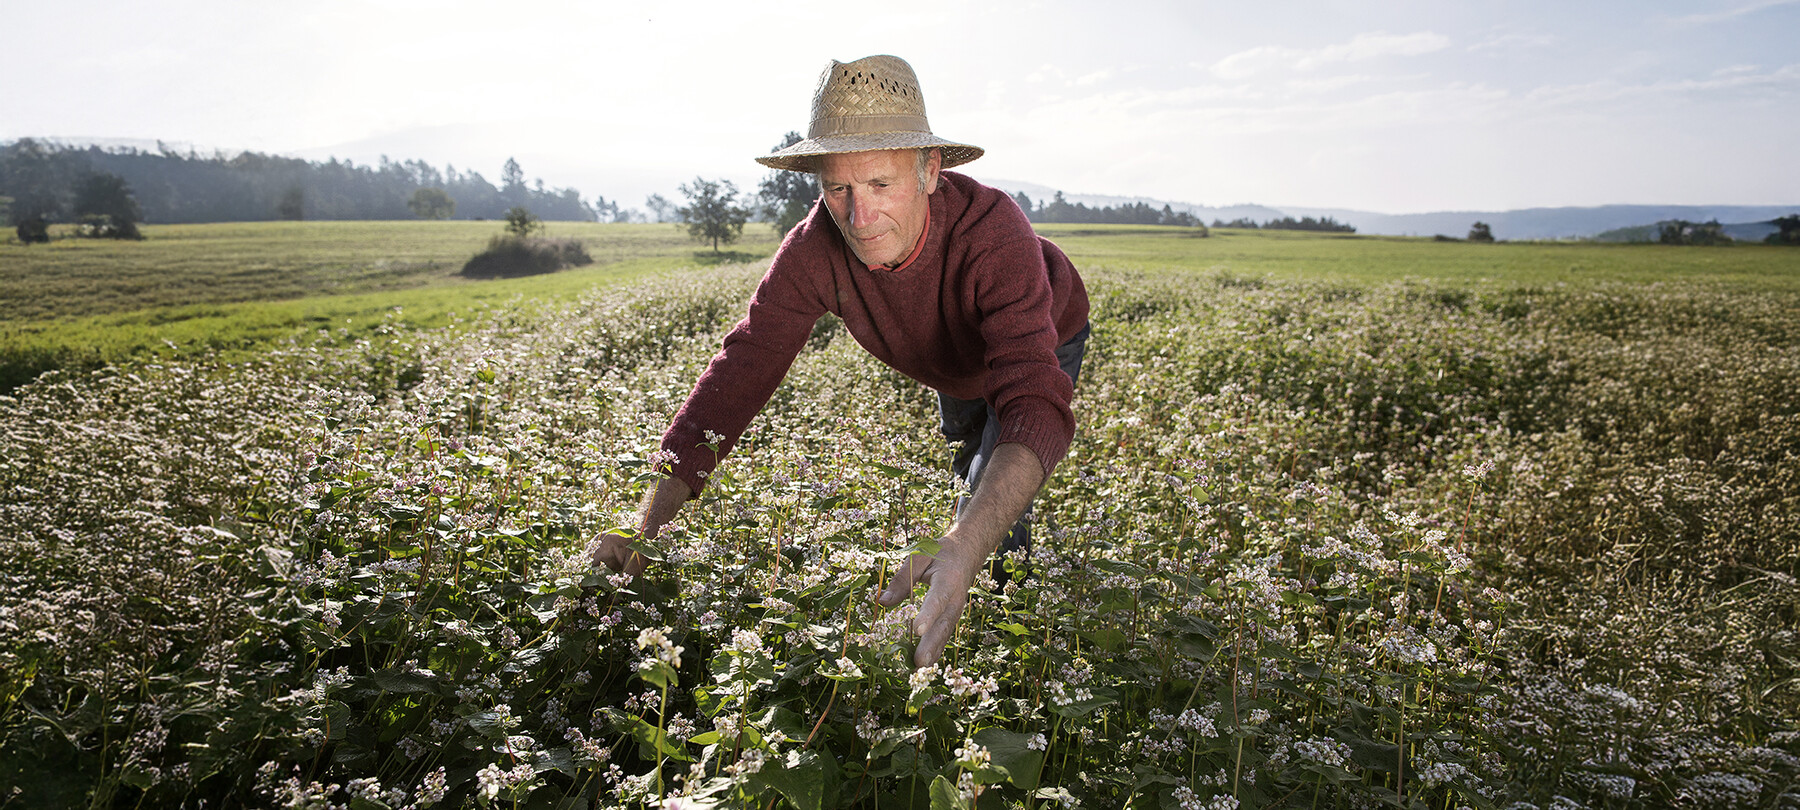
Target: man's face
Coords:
[(876, 201)]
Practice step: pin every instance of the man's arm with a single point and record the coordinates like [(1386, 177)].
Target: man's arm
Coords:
[(659, 507), (1007, 486)]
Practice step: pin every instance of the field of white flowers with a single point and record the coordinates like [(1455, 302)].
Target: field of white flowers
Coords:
[(1317, 545)]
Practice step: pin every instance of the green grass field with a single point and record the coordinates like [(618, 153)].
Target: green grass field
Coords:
[(1297, 255), (242, 286)]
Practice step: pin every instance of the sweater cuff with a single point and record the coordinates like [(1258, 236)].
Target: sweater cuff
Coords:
[(1045, 434)]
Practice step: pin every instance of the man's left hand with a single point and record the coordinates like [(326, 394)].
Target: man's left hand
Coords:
[(948, 577)]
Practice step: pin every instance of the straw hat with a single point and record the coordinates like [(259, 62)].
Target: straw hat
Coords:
[(867, 105)]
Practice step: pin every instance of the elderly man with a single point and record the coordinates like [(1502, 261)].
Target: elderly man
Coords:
[(933, 273)]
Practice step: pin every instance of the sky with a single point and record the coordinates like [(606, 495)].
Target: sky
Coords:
[(1401, 106)]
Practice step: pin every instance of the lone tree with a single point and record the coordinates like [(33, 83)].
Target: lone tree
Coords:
[(712, 212), (787, 196), (105, 208), (1480, 232), (432, 203), (521, 222)]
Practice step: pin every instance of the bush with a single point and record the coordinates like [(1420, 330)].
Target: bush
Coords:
[(510, 256), (102, 226), (34, 229)]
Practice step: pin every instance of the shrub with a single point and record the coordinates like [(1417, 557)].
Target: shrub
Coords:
[(510, 255), (33, 230), (102, 226)]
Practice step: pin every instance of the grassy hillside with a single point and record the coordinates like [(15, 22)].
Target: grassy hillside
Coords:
[(240, 286)]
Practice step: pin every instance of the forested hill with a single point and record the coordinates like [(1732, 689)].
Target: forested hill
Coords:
[(171, 186)]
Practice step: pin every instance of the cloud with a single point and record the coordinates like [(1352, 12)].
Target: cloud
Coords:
[(1735, 78), (1362, 47), (1513, 42), (1731, 13)]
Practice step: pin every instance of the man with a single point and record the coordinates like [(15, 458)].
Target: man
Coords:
[(938, 276)]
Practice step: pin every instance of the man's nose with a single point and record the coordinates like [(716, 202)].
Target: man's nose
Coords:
[(862, 214)]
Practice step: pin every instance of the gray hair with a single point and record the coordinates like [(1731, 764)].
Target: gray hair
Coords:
[(923, 165)]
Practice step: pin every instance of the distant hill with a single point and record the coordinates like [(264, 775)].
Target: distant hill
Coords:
[(1747, 221), (1550, 223)]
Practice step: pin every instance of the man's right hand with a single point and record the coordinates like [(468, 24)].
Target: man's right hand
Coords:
[(617, 553)]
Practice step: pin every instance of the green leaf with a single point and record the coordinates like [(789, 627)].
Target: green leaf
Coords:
[(799, 778), (651, 740), (1012, 751), (945, 796), (658, 674), (406, 683), (1106, 638)]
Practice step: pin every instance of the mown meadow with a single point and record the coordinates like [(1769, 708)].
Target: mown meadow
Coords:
[(1350, 523)]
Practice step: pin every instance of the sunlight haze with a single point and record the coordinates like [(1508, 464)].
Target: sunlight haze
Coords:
[(1394, 107)]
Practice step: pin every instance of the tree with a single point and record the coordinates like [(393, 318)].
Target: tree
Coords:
[(521, 222), (712, 212), (512, 181), (1480, 232), (292, 205), (787, 196), (104, 207), (1787, 230), (35, 179), (1682, 232), (432, 203), (1024, 205), (661, 208)]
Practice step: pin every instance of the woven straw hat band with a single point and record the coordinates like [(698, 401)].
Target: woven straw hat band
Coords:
[(870, 104), (859, 124)]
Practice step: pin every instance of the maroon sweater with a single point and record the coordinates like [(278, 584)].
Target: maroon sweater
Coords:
[(977, 314)]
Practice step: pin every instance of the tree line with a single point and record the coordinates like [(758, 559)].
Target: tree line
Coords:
[(43, 181), (1324, 224), (1138, 213)]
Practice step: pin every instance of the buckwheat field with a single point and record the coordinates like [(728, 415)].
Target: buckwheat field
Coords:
[(1332, 541)]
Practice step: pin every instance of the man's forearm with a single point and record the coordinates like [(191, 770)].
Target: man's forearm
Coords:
[(661, 505), (1008, 483)]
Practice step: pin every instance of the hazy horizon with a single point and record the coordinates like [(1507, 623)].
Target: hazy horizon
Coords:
[(1396, 108)]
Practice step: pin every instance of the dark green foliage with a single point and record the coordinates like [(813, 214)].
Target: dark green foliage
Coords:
[(33, 230), (1480, 232), (1323, 224), (180, 187), (511, 255), (1787, 231), (1240, 222), (1138, 213), (432, 203), (1682, 232), (521, 222), (105, 208), (787, 196), (292, 206), (712, 212), (38, 182)]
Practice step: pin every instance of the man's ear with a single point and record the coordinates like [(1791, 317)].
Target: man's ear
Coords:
[(933, 165)]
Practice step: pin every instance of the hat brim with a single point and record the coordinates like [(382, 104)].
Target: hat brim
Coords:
[(801, 157)]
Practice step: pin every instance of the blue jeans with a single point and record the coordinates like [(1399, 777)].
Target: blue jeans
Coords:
[(975, 423)]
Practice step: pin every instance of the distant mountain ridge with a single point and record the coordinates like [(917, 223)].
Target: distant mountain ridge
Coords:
[(1572, 222)]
